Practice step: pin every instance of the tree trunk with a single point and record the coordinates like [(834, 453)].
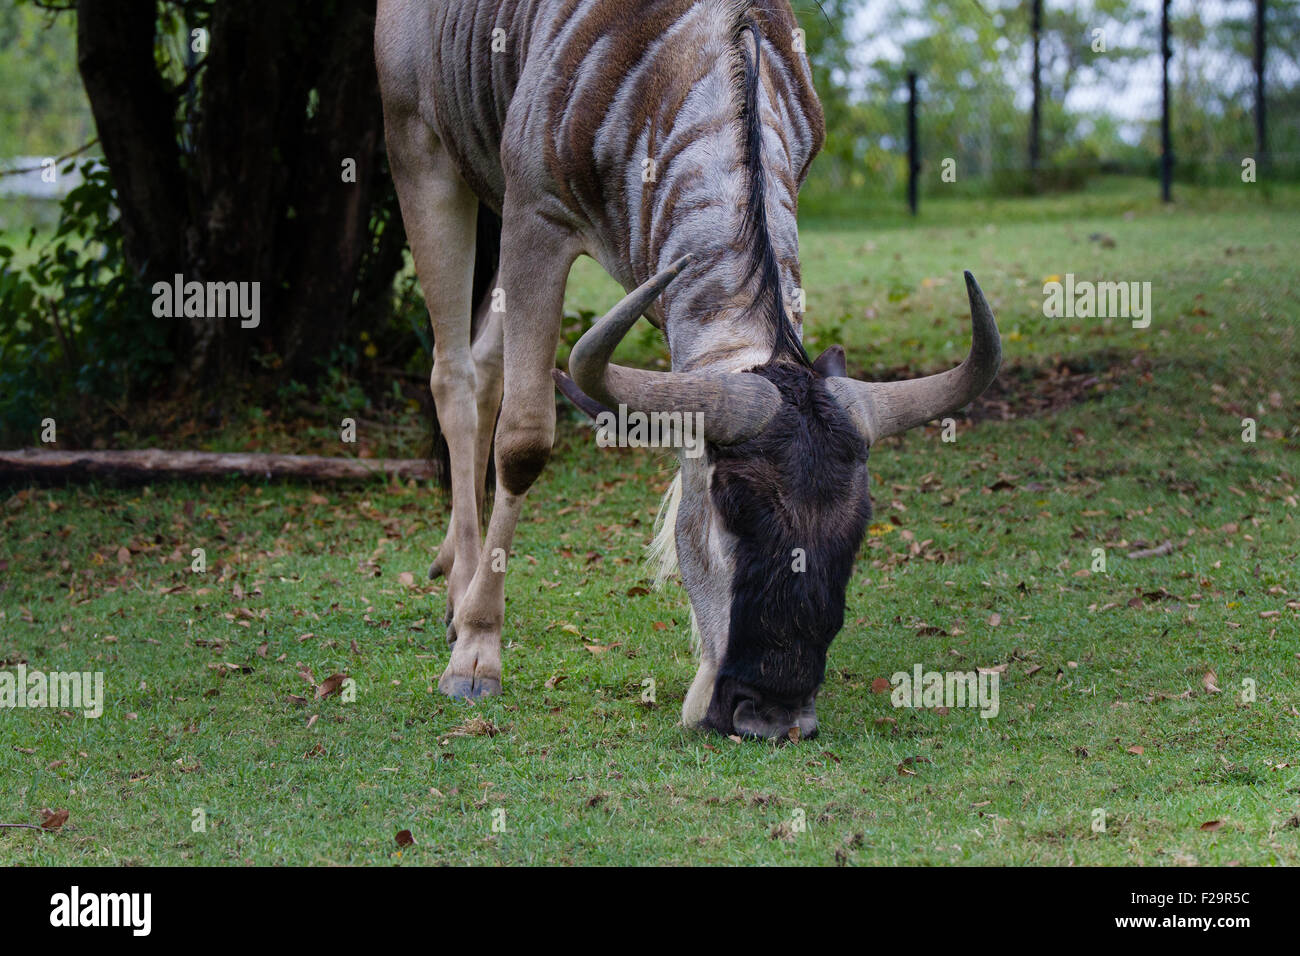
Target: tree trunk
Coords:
[(134, 115), (286, 92), (330, 232)]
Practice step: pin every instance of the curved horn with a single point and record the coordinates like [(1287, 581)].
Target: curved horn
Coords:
[(887, 408), (735, 406)]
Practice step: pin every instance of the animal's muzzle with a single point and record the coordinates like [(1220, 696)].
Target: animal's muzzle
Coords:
[(771, 720), (755, 714)]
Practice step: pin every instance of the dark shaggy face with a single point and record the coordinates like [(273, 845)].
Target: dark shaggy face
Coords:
[(795, 503)]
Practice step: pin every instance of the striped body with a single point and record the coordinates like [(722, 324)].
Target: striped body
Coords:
[(667, 139), (622, 122)]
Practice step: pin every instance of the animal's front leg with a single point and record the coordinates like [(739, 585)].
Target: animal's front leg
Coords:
[(487, 392), (535, 261)]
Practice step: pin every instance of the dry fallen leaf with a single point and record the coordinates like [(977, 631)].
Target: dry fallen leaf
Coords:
[(53, 819), (330, 685), (1210, 682), (1136, 749), (781, 831), (404, 838), (1211, 825), (880, 685), (475, 727)]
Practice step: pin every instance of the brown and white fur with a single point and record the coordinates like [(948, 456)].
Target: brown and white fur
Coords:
[(552, 112), (552, 132)]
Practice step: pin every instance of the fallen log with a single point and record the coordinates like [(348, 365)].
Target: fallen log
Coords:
[(154, 463)]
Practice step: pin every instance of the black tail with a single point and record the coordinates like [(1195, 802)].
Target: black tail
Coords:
[(487, 257)]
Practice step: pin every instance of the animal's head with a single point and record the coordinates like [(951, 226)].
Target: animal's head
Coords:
[(767, 523)]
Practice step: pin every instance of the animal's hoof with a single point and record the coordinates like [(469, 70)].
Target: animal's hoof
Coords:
[(467, 688), (442, 562)]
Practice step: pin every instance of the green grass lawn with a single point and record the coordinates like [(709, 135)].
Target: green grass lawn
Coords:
[(1159, 696)]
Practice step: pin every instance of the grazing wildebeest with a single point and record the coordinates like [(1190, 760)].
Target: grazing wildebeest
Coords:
[(667, 139)]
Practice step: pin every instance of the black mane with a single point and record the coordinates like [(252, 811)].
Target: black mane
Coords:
[(754, 231)]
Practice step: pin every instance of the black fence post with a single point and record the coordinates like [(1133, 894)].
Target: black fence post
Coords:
[(913, 146), (1166, 144), (1036, 29), (1261, 123)]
